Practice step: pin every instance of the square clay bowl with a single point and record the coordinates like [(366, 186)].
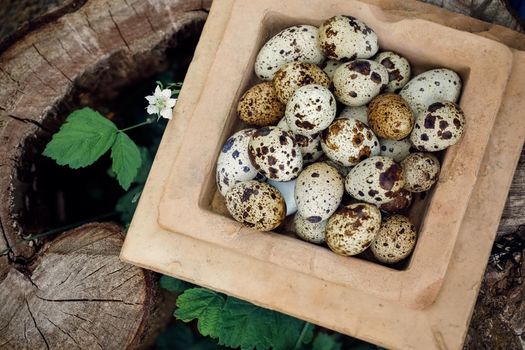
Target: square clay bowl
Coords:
[(186, 205)]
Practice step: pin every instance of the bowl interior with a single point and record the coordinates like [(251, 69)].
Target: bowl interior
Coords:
[(274, 22)]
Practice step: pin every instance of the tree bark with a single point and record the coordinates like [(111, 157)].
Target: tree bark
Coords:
[(78, 294)]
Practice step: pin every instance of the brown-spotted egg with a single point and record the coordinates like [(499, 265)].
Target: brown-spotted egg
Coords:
[(357, 82), (390, 117), (310, 110), (399, 204), (397, 150), (293, 75), (431, 86), (275, 154), (313, 232), (375, 180), (353, 228), (347, 141), (439, 127), (347, 38), (318, 192), (234, 163), (395, 240), (256, 204), (421, 171), (260, 105), (296, 43), (398, 69)]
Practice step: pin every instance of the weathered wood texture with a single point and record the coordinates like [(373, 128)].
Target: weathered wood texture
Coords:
[(78, 294), (101, 47), (493, 11)]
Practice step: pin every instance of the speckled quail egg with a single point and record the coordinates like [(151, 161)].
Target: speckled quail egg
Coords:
[(439, 127), (360, 113), (431, 86), (234, 163), (287, 190), (310, 145), (313, 232), (357, 82), (390, 117), (260, 105), (397, 150), (348, 141), (275, 154), (348, 38), (310, 110), (292, 76), (395, 240), (256, 204), (421, 171), (353, 228), (318, 192), (398, 69), (330, 66), (375, 180), (296, 43), (399, 204)]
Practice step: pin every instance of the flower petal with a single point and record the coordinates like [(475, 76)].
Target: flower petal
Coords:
[(171, 102), (166, 113), (152, 109), (150, 98), (157, 91), (166, 93)]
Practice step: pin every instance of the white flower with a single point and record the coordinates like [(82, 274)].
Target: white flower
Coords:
[(161, 103)]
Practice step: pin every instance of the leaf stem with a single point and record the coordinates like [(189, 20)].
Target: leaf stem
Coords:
[(302, 335), (148, 121), (59, 229)]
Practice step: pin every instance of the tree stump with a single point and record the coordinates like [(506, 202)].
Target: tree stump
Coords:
[(78, 294), (73, 292)]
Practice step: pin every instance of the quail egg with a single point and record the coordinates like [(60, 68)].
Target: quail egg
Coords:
[(256, 204), (287, 190), (318, 192), (421, 171), (234, 163), (398, 69), (395, 240), (347, 38), (292, 76), (375, 180), (390, 117), (357, 82), (431, 86), (439, 127), (399, 204), (275, 154), (260, 105), (296, 43), (347, 141), (313, 232), (310, 110), (353, 228), (330, 66)]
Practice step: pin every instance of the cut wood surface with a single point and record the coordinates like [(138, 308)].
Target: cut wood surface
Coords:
[(78, 294)]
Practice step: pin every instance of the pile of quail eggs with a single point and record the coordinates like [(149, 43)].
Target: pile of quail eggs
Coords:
[(332, 114)]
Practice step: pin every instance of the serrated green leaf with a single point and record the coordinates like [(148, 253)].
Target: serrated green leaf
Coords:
[(204, 305), (174, 285), (147, 162), (245, 325), (325, 341), (239, 324), (83, 138), (126, 160)]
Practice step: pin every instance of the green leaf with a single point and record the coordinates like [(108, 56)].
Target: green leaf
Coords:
[(126, 160), (174, 285), (83, 138), (147, 162), (324, 341), (205, 306), (239, 324)]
